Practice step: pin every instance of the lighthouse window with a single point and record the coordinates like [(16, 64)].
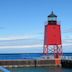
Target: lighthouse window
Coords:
[(52, 18)]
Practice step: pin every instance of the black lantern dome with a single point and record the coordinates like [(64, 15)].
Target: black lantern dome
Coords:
[(52, 18)]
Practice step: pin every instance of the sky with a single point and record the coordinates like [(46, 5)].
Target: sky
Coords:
[(22, 24)]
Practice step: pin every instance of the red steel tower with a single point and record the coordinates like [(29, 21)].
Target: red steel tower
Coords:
[(52, 38)]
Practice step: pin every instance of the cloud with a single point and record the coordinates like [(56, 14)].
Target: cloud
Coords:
[(30, 43), (20, 41), (22, 46), (30, 46), (68, 41), (18, 37), (67, 30), (70, 44)]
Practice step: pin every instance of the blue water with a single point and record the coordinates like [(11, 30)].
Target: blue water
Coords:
[(20, 56), (40, 69), (25, 56)]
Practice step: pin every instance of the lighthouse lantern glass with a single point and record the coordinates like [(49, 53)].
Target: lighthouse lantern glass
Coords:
[(52, 18)]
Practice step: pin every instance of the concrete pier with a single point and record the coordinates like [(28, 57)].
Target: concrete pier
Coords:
[(27, 63), (44, 61)]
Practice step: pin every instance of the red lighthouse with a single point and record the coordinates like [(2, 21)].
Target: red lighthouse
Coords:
[(52, 37)]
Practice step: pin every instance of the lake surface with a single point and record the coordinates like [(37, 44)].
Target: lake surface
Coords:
[(16, 56), (40, 69)]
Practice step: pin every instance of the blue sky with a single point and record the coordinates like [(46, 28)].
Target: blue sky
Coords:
[(22, 24)]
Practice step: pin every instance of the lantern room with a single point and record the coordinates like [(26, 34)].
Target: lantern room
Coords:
[(52, 19)]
